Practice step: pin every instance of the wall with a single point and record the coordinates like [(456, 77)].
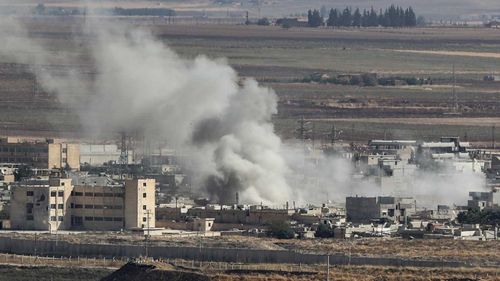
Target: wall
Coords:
[(361, 209), (63, 248)]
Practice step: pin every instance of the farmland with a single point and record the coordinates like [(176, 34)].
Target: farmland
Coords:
[(281, 59)]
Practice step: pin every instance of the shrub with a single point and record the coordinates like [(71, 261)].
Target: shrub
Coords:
[(324, 231), (281, 230)]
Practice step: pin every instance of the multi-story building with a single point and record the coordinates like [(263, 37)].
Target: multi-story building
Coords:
[(47, 154), (57, 204)]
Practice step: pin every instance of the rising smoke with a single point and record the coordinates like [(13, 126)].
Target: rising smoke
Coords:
[(218, 122), (221, 124)]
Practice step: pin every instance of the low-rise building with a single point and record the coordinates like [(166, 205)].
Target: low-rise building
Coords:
[(364, 209)]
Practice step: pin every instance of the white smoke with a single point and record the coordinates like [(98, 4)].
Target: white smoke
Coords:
[(221, 124)]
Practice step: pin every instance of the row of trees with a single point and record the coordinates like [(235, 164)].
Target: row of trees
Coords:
[(472, 216), (394, 16)]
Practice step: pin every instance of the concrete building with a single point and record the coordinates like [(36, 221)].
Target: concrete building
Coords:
[(484, 200), (253, 215), (361, 209), (140, 203), (403, 149), (57, 204), (47, 154), (364, 209), (100, 154)]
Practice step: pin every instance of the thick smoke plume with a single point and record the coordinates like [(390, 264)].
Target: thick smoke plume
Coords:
[(221, 124)]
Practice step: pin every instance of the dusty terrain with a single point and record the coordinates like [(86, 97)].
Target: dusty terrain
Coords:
[(477, 252)]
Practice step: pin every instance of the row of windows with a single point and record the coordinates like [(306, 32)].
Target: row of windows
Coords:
[(103, 219), (54, 218), (58, 206), (57, 193), (96, 194), (21, 159), (25, 149), (87, 194), (89, 206)]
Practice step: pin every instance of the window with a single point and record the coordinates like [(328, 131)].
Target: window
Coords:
[(64, 160), (144, 195), (64, 150), (78, 206), (143, 184), (60, 194), (53, 194), (98, 218), (89, 218), (118, 219), (52, 206), (89, 206), (89, 194), (108, 194), (72, 205), (29, 208), (29, 193), (78, 193), (144, 219), (144, 207), (60, 218), (76, 221), (108, 219), (60, 206), (29, 217), (118, 207), (52, 218), (97, 194), (97, 206)]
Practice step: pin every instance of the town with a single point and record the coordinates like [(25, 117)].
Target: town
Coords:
[(55, 185)]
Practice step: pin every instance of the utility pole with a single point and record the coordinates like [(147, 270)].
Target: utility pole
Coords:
[(334, 135), (493, 136), (147, 233), (328, 268), (455, 98)]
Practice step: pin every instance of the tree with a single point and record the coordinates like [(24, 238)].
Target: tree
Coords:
[(373, 18), (410, 17), (263, 21), (346, 17), (333, 18), (356, 18), (281, 230), (40, 9), (381, 18), (421, 21), (324, 231), (473, 216), (314, 19)]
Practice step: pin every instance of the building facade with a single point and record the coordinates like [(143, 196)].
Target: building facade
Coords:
[(46, 154), (57, 204)]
